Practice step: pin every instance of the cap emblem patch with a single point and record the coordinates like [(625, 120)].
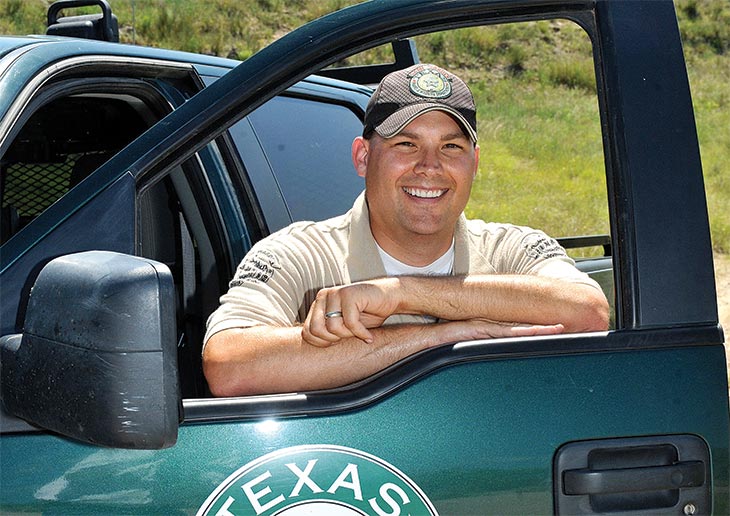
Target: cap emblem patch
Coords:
[(430, 84)]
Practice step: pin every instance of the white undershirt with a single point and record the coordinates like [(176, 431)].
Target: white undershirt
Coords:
[(442, 266)]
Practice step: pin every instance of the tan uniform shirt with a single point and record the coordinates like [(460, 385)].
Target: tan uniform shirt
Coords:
[(278, 280)]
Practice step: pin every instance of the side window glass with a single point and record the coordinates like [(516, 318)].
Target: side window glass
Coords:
[(62, 143), (542, 159), (70, 129), (307, 143)]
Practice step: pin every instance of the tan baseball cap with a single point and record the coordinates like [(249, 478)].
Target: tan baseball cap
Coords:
[(406, 94)]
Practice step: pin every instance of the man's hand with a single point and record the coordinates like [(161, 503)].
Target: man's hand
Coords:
[(350, 310), (530, 305), (475, 329)]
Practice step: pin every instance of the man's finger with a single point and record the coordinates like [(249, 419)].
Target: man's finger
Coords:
[(315, 326), (332, 313), (335, 324), (352, 320), (529, 331)]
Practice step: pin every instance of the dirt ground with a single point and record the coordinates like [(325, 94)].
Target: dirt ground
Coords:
[(722, 280)]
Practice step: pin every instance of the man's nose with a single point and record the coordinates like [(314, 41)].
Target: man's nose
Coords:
[(429, 161)]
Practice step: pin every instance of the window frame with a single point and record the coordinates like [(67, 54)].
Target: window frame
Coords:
[(621, 209), (409, 370)]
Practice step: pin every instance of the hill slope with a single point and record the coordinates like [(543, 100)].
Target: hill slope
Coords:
[(515, 84)]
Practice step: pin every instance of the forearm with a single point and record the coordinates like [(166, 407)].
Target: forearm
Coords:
[(264, 359), (511, 298)]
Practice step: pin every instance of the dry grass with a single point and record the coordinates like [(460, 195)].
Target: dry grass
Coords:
[(722, 281)]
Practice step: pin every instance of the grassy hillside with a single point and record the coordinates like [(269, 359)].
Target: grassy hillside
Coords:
[(538, 113)]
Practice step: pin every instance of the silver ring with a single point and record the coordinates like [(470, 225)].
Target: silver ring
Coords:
[(332, 315)]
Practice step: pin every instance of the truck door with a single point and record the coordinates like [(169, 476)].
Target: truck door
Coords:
[(632, 420)]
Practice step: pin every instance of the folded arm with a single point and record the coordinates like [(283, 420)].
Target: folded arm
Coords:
[(266, 359), (519, 299)]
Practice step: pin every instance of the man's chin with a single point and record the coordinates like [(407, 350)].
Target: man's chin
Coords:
[(427, 228)]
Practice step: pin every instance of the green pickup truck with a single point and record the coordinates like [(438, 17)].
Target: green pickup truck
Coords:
[(135, 179)]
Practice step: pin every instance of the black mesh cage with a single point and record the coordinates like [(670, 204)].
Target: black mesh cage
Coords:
[(30, 188)]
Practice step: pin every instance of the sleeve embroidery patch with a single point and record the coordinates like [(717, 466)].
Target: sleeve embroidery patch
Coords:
[(257, 268), (542, 246)]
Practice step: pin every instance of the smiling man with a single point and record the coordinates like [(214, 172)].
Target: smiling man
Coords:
[(320, 305)]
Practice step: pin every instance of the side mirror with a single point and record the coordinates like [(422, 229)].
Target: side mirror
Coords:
[(97, 359)]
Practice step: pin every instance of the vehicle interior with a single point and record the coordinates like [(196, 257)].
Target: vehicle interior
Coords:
[(63, 142), (76, 127)]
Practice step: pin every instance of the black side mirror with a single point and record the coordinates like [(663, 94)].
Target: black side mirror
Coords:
[(97, 359)]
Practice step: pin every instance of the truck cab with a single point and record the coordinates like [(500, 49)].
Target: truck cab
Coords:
[(135, 179)]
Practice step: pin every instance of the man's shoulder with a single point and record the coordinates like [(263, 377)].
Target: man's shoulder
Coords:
[(310, 227), (501, 235), (482, 229), (305, 238)]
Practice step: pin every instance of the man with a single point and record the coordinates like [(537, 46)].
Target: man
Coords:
[(319, 305)]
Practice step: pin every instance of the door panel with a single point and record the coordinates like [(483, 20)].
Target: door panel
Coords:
[(477, 438)]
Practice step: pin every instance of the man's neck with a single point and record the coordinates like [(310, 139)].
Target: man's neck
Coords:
[(416, 250)]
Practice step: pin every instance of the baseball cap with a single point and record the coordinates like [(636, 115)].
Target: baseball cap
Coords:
[(405, 94)]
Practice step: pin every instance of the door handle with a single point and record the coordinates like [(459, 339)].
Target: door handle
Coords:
[(625, 480), (667, 474)]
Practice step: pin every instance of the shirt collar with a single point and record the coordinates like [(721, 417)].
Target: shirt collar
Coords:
[(363, 260)]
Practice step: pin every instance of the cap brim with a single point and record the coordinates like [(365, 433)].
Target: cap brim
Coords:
[(395, 123)]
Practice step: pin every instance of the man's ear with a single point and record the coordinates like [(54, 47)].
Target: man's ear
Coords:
[(360, 148)]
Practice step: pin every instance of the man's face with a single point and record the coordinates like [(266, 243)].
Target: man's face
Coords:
[(417, 182)]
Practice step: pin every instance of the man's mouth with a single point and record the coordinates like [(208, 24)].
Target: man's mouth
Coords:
[(422, 193)]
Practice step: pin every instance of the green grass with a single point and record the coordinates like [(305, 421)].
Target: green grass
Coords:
[(542, 158), (710, 80), (705, 29), (547, 171)]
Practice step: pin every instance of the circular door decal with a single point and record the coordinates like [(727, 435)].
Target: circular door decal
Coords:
[(317, 480)]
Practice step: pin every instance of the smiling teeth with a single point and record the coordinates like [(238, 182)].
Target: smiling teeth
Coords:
[(424, 194)]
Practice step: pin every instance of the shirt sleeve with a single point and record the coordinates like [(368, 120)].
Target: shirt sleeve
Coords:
[(268, 288), (529, 251)]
